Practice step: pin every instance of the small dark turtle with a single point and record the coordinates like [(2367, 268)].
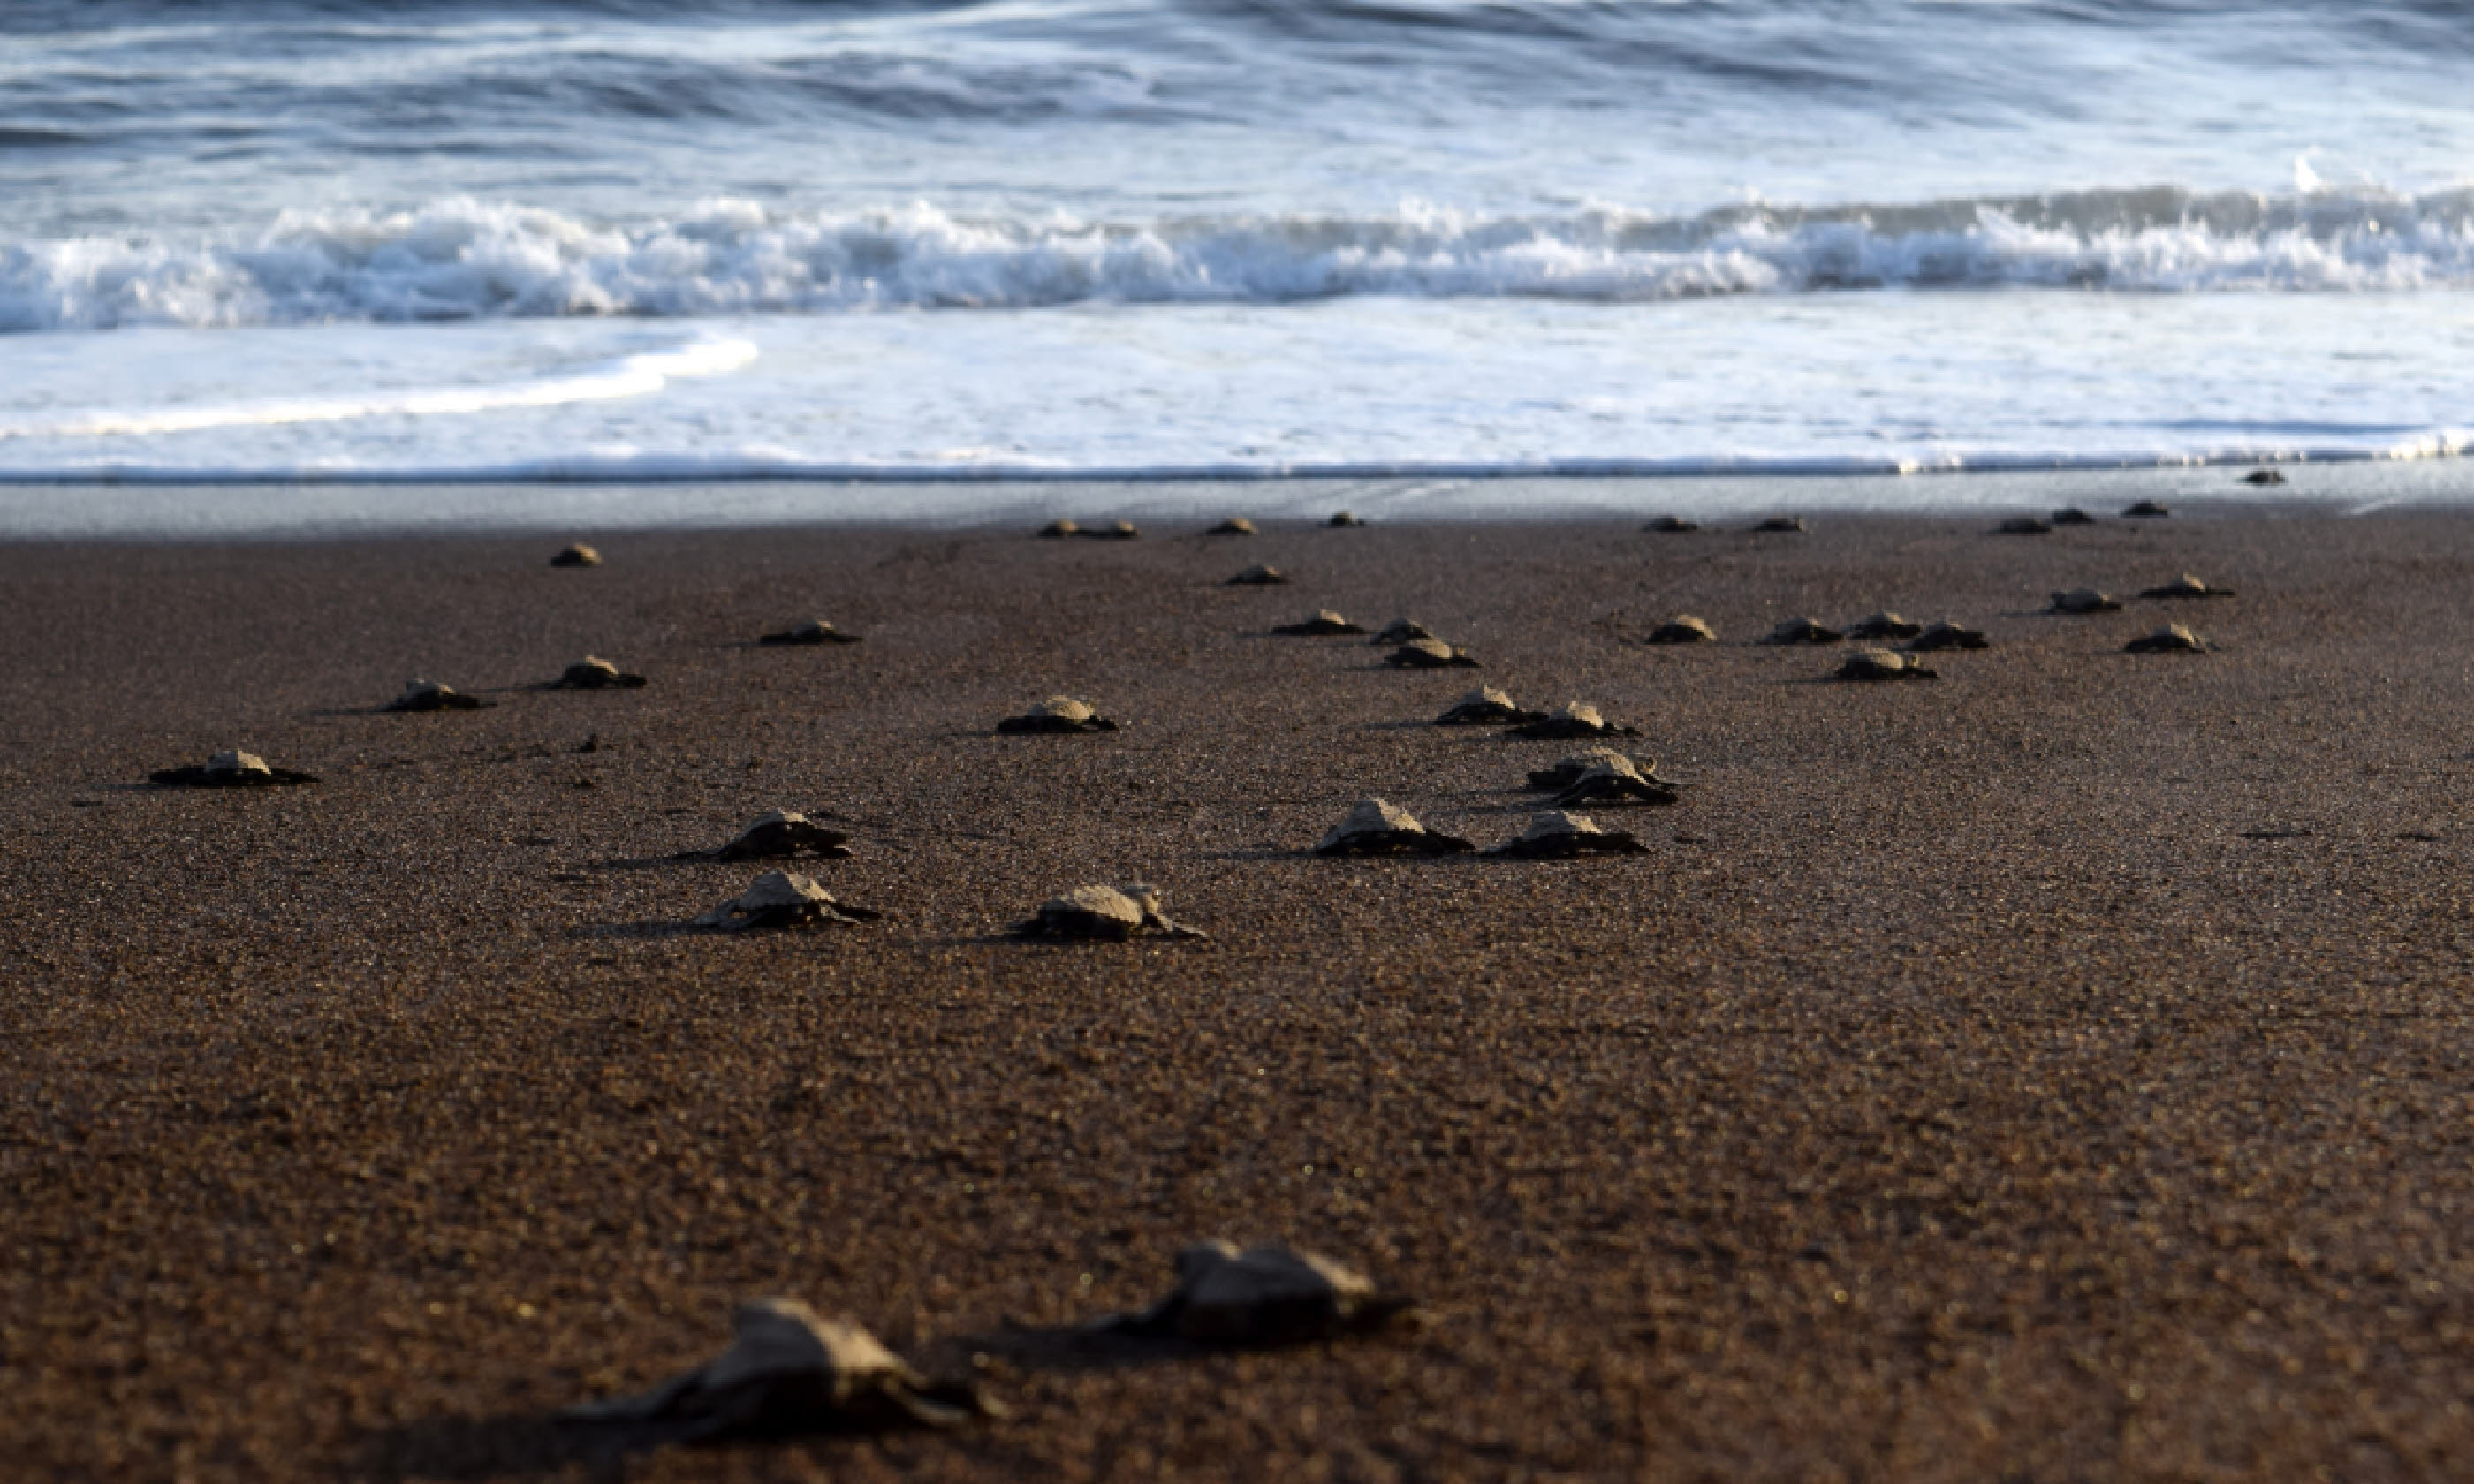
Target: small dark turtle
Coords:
[(2072, 515), (1113, 531), (1234, 525), (1803, 631), (1058, 713), (2146, 510), (2171, 639), (231, 768), (1564, 772), (1374, 827), (2084, 600), (1111, 913), (1260, 576), (1781, 525), (1430, 654), (777, 835), (1556, 835), (2186, 586), (1401, 631), (1060, 530), (595, 673), (1683, 629), (1325, 624), (579, 554), (1671, 525), (1946, 635), (1261, 1295), (780, 899), (1341, 518), (420, 694), (2023, 525), (1572, 719), (1617, 780), (1882, 664), (1484, 706), (2262, 476), (789, 1370), (1884, 626), (812, 631)]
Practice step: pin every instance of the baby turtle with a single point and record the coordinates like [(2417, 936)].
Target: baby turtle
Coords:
[(2171, 639), (2084, 600), (1234, 525), (1323, 625), (1572, 719), (1261, 1295), (420, 694), (1803, 631), (1884, 626), (1671, 525), (231, 768), (1112, 912), (1485, 706), (1616, 779), (1260, 576), (1113, 531), (1564, 772), (595, 673), (782, 898), (778, 834), (1374, 827), (2262, 476), (812, 631), (1946, 635), (1556, 835), (2023, 525), (1683, 629), (1341, 518), (1058, 713), (1401, 631), (1781, 524), (2072, 515), (1882, 664), (1430, 654), (2146, 510), (2186, 586), (1060, 530), (579, 554), (789, 1370)]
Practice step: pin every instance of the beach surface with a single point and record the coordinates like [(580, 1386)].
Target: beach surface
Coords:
[(2058, 1070)]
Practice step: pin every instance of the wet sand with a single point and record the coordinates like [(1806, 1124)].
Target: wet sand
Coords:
[(2056, 1071)]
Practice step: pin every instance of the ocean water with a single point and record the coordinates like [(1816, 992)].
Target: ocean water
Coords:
[(410, 244)]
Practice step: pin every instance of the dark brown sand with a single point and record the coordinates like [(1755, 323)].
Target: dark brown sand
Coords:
[(2056, 1071)]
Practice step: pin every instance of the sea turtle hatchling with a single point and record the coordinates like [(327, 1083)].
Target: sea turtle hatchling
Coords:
[(595, 673), (2186, 586), (1683, 629), (1060, 530), (1803, 631), (1430, 654), (2084, 600), (778, 834), (420, 694), (784, 900), (809, 631), (1325, 624), (2146, 510), (1343, 519), (2023, 525), (1671, 525), (1616, 779), (1780, 525), (578, 555), (1260, 576), (1554, 834), (1110, 913), (1376, 827), (1572, 719), (2072, 515), (1401, 631), (1261, 1295), (1945, 635), (1484, 706), (1234, 525), (1113, 531), (789, 1371), (231, 768), (1882, 664), (2171, 639), (1566, 771), (1058, 714), (1884, 626), (2262, 476)]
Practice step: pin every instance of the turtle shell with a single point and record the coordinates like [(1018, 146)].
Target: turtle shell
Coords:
[(1803, 631), (2023, 525), (2146, 510), (2262, 476), (1572, 719), (778, 834), (420, 694), (1553, 835), (809, 631), (1429, 655), (1341, 518), (595, 673), (2186, 586), (1884, 626), (2171, 639), (1781, 524), (1234, 525), (1260, 576), (1564, 772), (1058, 714), (1484, 706), (1323, 625), (2084, 600), (1881, 665), (1400, 631), (1109, 913), (2072, 515), (1616, 781), (1113, 531), (782, 898), (1261, 1295), (231, 768), (1377, 828), (1671, 525), (1683, 629), (1946, 635), (1060, 530), (788, 1369), (578, 555)]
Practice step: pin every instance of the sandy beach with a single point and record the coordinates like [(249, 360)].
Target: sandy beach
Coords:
[(2055, 1072)]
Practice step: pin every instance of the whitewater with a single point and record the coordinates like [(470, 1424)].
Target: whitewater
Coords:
[(1039, 240)]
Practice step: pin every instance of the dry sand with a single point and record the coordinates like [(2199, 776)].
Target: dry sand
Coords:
[(1961, 1090)]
